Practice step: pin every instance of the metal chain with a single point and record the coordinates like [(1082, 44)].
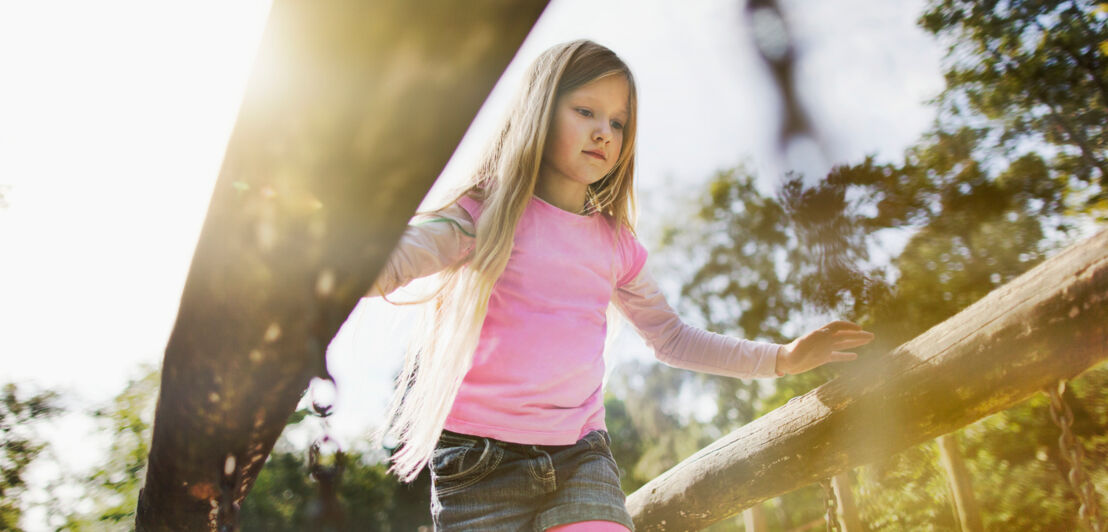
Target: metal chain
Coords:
[(1074, 454), (326, 512), (227, 515), (832, 506)]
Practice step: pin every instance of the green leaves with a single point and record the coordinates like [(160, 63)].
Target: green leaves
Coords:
[(1036, 72), (1017, 160), (19, 445)]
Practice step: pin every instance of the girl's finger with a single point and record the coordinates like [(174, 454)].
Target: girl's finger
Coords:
[(855, 340), (843, 335), (839, 356), (841, 325)]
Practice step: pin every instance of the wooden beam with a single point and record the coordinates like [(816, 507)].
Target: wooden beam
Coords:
[(351, 112), (1050, 323), (849, 520), (754, 519), (962, 500)]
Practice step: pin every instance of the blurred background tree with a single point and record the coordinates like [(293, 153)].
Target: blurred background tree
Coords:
[(1013, 169), (285, 496), (111, 488), (282, 500), (1035, 73), (20, 444)]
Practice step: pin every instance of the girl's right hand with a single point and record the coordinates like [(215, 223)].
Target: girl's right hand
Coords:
[(821, 346)]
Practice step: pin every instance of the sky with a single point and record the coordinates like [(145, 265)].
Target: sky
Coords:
[(114, 117)]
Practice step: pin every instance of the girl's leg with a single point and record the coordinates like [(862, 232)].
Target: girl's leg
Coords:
[(589, 526)]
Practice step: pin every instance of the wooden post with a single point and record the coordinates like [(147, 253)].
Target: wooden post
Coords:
[(961, 486), (754, 519), (351, 112), (848, 509), (1050, 323)]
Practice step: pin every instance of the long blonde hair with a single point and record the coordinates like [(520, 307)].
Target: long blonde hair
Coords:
[(442, 351)]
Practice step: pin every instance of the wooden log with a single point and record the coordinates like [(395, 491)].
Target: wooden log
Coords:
[(958, 479), (1048, 324), (351, 112), (847, 507), (754, 519)]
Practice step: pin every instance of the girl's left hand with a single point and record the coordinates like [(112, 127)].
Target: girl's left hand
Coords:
[(821, 346)]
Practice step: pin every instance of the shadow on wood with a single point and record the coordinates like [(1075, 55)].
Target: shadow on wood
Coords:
[(351, 112)]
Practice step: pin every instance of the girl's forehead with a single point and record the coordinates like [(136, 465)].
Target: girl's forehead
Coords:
[(612, 90)]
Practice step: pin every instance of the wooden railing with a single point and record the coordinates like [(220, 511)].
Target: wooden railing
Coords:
[(1046, 326)]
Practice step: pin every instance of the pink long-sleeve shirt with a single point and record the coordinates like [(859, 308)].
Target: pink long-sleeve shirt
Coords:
[(538, 368)]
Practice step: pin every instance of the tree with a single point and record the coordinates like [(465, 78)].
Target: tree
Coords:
[(19, 445), (1013, 165), (112, 487), (1035, 72), (284, 494), (371, 499)]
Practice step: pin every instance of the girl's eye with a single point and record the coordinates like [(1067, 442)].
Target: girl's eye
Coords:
[(588, 114)]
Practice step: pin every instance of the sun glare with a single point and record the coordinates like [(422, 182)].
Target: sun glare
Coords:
[(113, 121)]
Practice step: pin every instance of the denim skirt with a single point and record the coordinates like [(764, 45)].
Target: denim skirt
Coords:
[(480, 483)]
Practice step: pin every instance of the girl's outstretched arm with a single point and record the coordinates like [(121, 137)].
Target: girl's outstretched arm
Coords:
[(428, 245), (680, 345), (821, 346)]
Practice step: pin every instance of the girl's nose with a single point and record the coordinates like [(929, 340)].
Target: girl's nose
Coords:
[(603, 132)]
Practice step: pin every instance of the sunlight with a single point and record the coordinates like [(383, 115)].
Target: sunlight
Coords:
[(113, 121), (110, 142)]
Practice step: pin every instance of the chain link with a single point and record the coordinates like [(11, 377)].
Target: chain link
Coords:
[(1074, 454), (227, 515), (326, 463), (832, 505)]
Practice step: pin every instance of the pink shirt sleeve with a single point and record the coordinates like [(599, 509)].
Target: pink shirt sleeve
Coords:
[(632, 256), (428, 246), (680, 345)]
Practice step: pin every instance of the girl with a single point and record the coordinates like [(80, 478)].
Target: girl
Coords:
[(502, 394)]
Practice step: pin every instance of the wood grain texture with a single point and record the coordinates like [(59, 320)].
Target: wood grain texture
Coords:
[(1050, 323), (351, 112)]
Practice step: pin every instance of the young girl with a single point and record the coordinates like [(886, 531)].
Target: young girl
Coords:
[(502, 394)]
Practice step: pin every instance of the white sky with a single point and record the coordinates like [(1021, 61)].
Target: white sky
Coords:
[(114, 116)]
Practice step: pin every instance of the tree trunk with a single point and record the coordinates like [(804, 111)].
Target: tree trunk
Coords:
[(351, 112), (1050, 323)]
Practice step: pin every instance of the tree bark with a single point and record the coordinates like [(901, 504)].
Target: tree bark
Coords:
[(351, 112), (1050, 323)]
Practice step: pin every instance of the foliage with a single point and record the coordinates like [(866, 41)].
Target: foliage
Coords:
[(1013, 169), (19, 445), (111, 489), (285, 495), (1037, 72), (627, 442)]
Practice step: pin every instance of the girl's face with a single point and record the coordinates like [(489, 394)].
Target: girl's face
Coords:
[(586, 135)]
